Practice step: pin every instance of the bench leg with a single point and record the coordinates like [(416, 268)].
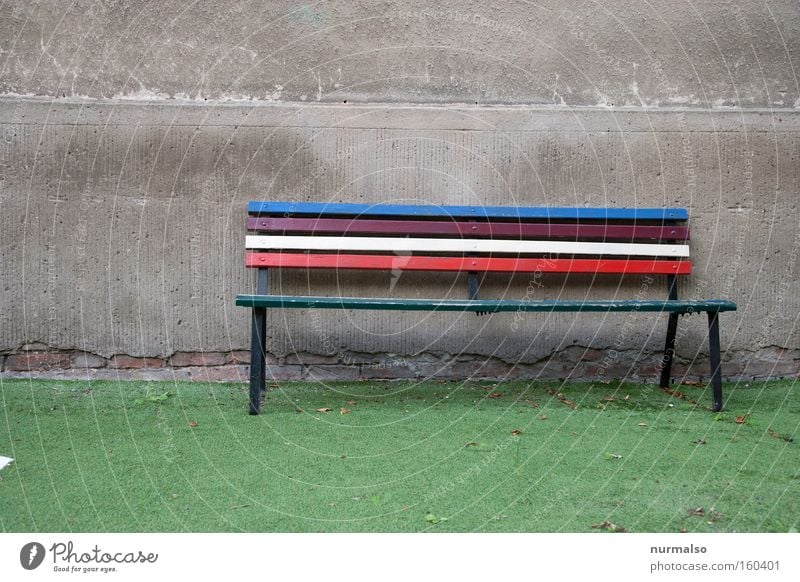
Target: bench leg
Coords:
[(257, 359), (716, 367), (669, 351)]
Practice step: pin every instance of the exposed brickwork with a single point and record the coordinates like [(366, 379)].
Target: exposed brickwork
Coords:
[(239, 357), (29, 361), (182, 359), (120, 361), (573, 363)]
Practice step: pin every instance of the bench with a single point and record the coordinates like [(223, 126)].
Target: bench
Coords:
[(473, 240)]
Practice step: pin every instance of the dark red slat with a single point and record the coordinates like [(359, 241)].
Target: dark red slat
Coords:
[(468, 229), (480, 264)]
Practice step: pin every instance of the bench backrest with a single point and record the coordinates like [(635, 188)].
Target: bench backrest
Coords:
[(472, 239)]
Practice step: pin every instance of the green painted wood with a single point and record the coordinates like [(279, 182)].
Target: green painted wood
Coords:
[(488, 305)]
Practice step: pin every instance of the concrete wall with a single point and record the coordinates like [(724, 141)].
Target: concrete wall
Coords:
[(133, 134)]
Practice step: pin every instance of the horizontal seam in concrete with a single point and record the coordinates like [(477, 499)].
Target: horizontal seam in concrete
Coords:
[(457, 117), (369, 128)]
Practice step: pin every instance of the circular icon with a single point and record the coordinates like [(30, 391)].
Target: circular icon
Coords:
[(31, 555)]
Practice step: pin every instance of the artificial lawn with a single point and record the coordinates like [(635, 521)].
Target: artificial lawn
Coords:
[(407, 457)]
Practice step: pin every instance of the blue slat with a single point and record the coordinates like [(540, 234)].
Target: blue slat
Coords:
[(487, 305), (508, 212)]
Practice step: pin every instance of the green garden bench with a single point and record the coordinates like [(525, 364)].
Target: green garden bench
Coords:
[(472, 239)]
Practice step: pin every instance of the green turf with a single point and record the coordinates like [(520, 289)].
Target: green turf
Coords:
[(122, 456)]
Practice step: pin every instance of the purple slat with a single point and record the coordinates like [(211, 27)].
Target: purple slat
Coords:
[(468, 229)]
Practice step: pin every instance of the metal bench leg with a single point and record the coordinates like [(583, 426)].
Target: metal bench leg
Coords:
[(716, 367), (257, 359), (669, 351)]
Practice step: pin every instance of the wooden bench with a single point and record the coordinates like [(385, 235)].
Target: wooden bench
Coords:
[(473, 239)]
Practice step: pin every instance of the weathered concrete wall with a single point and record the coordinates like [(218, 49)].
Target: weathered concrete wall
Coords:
[(623, 52), (125, 173)]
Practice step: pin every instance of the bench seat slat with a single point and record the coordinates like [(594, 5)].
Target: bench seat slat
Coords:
[(484, 305), (383, 244), (518, 230), (429, 210), (462, 264)]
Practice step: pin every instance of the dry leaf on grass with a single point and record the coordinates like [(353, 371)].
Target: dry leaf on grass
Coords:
[(324, 409), (605, 524), (495, 395), (344, 411), (192, 423), (351, 403), (516, 432), (691, 383), (776, 435), (562, 399), (742, 419), (697, 511), (542, 417)]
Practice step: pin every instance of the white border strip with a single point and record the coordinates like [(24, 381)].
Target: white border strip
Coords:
[(439, 245)]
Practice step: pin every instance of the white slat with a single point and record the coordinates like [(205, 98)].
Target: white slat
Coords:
[(449, 245)]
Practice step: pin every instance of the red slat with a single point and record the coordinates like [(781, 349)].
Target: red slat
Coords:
[(626, 232), (479, 264)]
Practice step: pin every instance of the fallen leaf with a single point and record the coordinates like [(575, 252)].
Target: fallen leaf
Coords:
[(516, 432), (434, 519), (192, 423), (699, 442), (324, 409), (298, 410), (542, 417), (683, 530), (609, 398), (697, 511), (642, 424), (776, 435), (613, 457), (563, 399), (691, 383), (495, 395), (240, 506), (351, 403), (742, 419), (678, 394), (471, 444), (605, 524), (344, 411)]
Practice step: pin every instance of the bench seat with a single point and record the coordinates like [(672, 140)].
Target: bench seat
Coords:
[(473, 241), (481, 305)]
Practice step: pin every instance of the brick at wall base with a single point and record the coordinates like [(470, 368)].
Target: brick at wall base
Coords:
[(29, 361), (573, 364), (137, 363)]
